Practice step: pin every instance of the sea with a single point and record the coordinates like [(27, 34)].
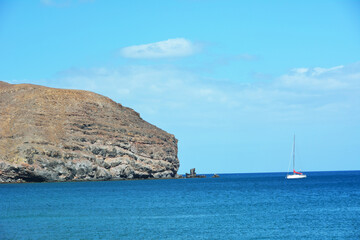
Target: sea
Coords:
[(325, 205)]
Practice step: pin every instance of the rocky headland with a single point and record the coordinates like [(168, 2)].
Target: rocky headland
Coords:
[(49, 134)]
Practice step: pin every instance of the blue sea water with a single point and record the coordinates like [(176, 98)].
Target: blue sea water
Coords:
[(326, 205)]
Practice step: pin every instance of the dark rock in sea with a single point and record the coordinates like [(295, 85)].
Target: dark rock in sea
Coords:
[(215, 176), (49, 134), (193, 174)]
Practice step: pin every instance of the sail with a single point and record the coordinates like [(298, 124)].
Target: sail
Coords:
[(295, 172)]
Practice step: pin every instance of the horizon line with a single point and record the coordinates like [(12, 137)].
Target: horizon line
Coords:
[(274, 172)]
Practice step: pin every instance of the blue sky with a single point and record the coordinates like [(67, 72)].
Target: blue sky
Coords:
[(233, 80)]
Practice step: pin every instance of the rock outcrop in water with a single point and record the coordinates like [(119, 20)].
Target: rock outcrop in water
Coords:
[(49, 134)]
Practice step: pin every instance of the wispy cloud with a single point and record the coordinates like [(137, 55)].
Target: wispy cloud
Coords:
[(319, 71), (186, 97), (335, 78), (178, 47)]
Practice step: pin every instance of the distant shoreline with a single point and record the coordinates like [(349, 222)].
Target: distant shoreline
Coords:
[(208, 176)]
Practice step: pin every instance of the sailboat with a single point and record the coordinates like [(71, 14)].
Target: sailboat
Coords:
[(295, 175)]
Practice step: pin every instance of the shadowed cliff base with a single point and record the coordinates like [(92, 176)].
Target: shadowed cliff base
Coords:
[(49, 134)]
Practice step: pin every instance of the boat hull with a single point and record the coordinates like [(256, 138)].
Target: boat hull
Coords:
[(295, 176)]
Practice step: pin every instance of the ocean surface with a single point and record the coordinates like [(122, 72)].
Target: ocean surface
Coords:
[(326, 205)]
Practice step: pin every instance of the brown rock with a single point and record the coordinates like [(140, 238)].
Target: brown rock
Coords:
[(49, 134)]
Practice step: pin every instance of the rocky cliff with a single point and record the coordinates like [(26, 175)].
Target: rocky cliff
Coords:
[(49, 134)]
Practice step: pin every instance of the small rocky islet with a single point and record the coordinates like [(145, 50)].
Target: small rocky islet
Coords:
[(49, 134)]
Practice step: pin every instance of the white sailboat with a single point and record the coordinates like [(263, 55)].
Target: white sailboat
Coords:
[(295, 175)]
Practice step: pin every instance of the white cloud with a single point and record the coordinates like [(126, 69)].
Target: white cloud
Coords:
[(178, 47), (318, 71), (335, 78), (300, 70), (180, 97)]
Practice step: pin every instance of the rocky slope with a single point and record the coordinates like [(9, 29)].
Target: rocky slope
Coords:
[(49, 134)]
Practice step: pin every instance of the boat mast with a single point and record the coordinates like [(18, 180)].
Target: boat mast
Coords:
[(294, 153)]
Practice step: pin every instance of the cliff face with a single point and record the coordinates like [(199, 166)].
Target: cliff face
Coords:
[(51, 134)]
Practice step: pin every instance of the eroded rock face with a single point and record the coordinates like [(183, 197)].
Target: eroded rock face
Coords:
[(49, 134)]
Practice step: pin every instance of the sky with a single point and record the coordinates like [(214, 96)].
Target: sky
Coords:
[(232, 80)]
